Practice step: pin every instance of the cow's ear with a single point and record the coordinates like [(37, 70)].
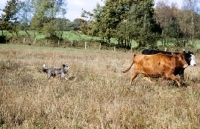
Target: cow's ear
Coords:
[(182, 57), (179, 57)]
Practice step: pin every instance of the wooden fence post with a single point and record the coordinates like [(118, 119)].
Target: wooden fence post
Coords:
[(85, 45), (47, 42), (100, 46), (34, 41), (58, 43), (24, 40)]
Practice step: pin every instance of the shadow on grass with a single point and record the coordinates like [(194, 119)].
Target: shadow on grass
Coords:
[(71, 78)]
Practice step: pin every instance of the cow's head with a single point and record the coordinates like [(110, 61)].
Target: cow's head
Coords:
[(190, 58), (180, 60)]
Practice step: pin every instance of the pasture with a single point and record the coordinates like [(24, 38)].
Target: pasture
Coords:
[(69, 35), (97, 94)]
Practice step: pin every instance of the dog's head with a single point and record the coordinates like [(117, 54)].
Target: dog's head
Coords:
[(66, 67)]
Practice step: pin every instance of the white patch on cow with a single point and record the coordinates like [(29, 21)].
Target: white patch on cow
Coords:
[(192, 61)]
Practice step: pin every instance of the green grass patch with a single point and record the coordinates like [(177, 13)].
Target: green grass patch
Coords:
[(78, 36), (69, 35)]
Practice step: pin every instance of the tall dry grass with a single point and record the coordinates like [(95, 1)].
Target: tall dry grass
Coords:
[(97, 94)]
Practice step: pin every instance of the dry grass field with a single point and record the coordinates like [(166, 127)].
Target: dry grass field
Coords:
[(96, 96)]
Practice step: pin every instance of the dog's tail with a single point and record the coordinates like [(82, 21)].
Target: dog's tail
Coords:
[(124, 71), (44, 69)]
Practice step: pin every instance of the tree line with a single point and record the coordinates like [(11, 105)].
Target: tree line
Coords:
[(43, 16), (124, 20), (141, 21)]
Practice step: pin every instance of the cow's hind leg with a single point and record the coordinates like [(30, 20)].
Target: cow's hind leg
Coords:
[(133, 76)]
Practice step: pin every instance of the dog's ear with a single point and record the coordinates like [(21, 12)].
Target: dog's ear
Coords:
[(63, 65)]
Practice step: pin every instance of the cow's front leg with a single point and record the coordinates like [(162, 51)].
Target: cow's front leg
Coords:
[(173, 77)]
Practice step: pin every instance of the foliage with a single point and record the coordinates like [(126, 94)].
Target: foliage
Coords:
[(125, 21), (8, 20), (190, 29), (142, 24), (25, 15), (46, 18), (78, 22), (181, 25), (166, 18), (192, 18)]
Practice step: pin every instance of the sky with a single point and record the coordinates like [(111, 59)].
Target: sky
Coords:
[(74, 7)]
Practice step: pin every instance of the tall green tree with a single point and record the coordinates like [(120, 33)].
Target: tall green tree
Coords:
[(125, 20), (108, 21), (8, 20), (122, 31), (142, 24), (46, 16), (189, 19), (167, 18), (25, 15)]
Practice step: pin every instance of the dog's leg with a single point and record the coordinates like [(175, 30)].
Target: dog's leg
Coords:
[(49, 74), (63, 76)]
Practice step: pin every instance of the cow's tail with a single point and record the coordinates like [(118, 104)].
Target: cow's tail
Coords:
[(44, 69), (124, 71)]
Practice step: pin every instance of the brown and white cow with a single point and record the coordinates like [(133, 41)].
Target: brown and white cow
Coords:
[(158, 65), (189, 57)]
